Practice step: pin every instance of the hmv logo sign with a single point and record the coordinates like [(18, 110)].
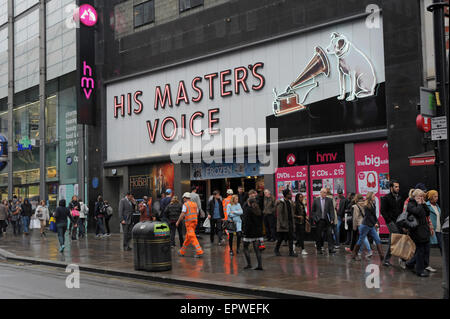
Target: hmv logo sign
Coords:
[(87, 80), (326, 157)]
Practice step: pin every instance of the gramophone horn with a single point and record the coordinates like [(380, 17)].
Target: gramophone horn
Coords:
[(319, 64)]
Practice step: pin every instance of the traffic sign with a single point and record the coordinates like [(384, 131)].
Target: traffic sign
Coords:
[(439, 134), (438, 122)]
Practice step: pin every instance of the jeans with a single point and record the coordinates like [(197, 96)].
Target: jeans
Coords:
[(355, 237), (270, 223), (421, 258), (100, 225), (216, 227), (364, 231), (337, 232), (107, 218), (16, 226), (26, 224), (61, 232), (81, 227)]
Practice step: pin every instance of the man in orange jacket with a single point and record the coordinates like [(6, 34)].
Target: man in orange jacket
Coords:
[(190, 215)]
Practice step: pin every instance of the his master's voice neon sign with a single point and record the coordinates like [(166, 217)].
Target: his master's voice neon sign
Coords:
[(230, 81), (87, 81)]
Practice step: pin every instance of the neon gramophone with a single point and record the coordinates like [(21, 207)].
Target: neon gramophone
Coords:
[(290, 101)]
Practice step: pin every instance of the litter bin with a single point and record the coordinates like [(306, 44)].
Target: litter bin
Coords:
[(151, 246), (445, 256)]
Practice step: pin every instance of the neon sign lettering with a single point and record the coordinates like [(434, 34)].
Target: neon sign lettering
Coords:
[(230, 81), (87, 81)]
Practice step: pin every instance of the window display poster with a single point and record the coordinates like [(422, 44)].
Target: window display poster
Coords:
[(330, 176), (372, 173), (294, 178)]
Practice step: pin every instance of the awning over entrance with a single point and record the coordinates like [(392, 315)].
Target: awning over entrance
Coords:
[(424, 159)]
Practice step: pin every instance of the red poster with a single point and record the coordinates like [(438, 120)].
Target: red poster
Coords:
[(295, 178), (372, 172)]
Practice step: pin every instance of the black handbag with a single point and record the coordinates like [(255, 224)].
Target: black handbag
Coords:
[(229, 225), (407, 221)]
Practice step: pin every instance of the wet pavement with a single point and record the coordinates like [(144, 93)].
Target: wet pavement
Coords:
[(335, 276)]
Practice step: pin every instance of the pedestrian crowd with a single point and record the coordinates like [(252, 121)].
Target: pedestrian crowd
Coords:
[(351, 221)]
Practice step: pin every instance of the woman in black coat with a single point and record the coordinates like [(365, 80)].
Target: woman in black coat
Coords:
[(61, 215), (252, 227), (421, 234)]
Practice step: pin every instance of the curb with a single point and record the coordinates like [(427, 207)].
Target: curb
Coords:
[(203, 284)]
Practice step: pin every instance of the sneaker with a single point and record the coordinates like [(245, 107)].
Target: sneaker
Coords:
[(231, 253), (258, 268), (198, 256), (337, 247), (61, 249), (430, 269), (293, 255), (402, 264), (370, 254), (108, 235), (387, 264), (304, 252), (97, 236), (424, 274), (248, 267)]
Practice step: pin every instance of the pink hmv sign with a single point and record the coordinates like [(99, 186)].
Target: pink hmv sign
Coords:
[(372, 173), (294, 178), (88, 15)]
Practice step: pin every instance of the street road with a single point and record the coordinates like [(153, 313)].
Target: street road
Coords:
[(23, 281)]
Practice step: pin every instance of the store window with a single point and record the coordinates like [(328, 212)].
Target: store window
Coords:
[(144, 13), (189, 4)]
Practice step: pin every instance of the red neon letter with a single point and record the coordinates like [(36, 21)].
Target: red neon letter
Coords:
[(138, 102), (240, 80), (163, 125), (162, 100), (212, 121), (129, 103), (152, 132), (191, 123), (210, 78), (197, 89), (119, 106), (224, 83), (182, 95), (261, 78), (183, 125)]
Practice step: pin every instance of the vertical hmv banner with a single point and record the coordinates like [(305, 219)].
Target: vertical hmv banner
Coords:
[(86, 18)]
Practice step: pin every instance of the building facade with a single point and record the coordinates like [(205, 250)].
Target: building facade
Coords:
[(339, 82)]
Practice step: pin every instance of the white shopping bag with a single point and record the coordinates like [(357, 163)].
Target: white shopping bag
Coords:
[(35, 223), (207, 223)]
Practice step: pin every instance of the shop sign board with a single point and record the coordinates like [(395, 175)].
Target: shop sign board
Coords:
[(372, 173), (330, 176), (203, 171), (294, 178), (148, 114)]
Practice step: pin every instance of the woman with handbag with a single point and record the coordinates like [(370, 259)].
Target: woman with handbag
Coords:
[(369, 225), (419, 234), (62, 214), (301, 219), (235, 212), (43, 216), (357, 219)]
